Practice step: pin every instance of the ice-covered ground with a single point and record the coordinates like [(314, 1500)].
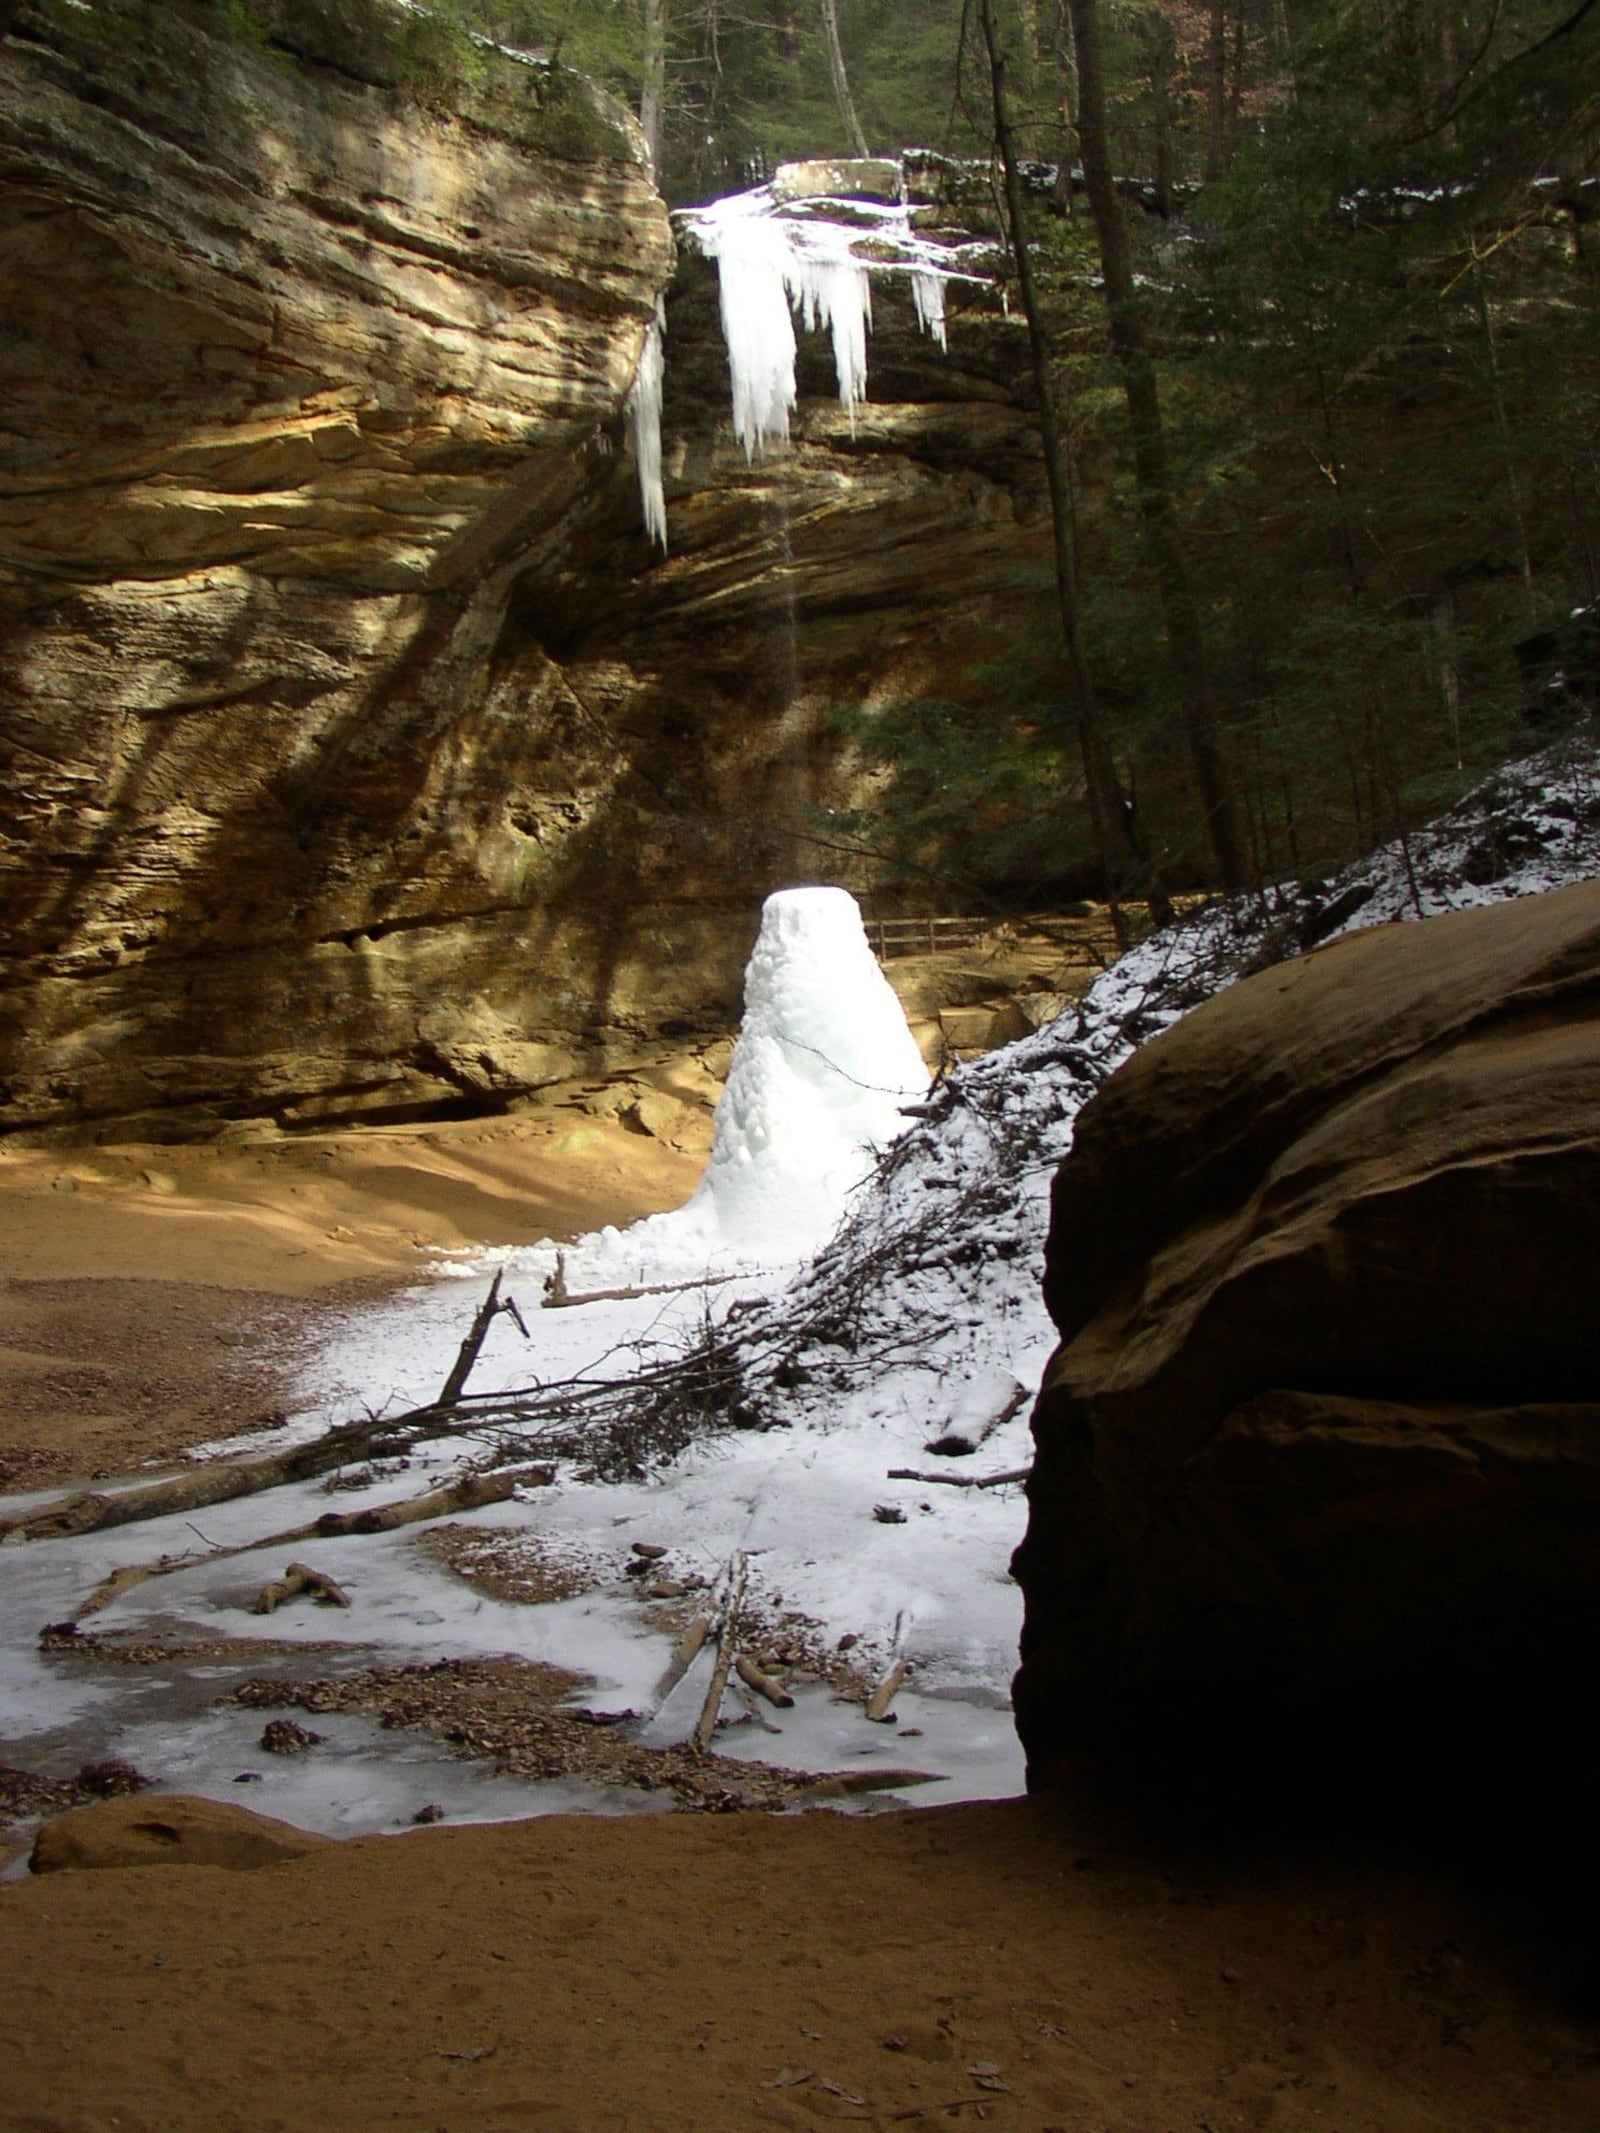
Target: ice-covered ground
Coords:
[(921, 1314)]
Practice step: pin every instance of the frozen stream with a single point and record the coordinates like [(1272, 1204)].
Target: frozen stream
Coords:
[(800, 1502)]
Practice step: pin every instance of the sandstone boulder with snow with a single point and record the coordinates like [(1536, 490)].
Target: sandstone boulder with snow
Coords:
[(1320, 1450)]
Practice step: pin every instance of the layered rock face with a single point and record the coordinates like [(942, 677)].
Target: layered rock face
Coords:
[(359, 753), (1320, 1451), (296, 373)]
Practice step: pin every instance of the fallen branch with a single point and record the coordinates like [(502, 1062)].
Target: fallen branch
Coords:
[(470, 1493), (727, 1644), (960, 1481), (763, 1684), (467, 1355), (558, 1297), (89, 1512), (298, 1578), (880, 1704), (840, 1784)]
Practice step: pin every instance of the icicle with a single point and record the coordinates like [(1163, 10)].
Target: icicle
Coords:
[(927, 293), (753, 260), (644, 417), (837, 294)]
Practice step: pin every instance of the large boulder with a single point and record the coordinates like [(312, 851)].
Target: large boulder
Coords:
[(1320, 1450), (167, 1830)]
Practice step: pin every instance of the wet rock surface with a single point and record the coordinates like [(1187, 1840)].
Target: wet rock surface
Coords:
[(1320, 1451)]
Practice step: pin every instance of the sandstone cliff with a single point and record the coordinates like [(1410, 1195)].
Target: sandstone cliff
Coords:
[(359, 753), (1321, 1448)]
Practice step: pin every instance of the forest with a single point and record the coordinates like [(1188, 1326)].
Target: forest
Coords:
[(1322, 359)]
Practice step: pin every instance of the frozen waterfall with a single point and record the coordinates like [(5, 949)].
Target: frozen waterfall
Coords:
[(781, 259), (823, 1064), (786, 259)]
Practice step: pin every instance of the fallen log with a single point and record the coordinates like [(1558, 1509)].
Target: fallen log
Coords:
[(91, 1512), (298, 1578), (840, 1784), (880, 1704), (470, 1493), (960, 1441), (685, 1653)]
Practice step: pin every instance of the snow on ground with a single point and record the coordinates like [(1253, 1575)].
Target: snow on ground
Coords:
[(921, 1319)]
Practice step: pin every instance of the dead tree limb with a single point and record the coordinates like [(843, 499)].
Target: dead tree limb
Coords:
[(880, 1704), (960, 1481), (470, 1493), (727, 1647), (467, 1355), (763, 1684), (298, 1578), (957, 1442), (91, 1512)]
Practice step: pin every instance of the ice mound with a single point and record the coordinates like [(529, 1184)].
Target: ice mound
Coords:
[(823, 1064)]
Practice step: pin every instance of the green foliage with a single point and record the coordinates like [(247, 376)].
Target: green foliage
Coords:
[(439, 62), (243, 21)]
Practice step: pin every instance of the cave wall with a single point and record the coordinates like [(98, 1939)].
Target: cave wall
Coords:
[(359, 754)]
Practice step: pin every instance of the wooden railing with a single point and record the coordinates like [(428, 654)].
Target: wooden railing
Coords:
[(933, 936), (924, 936)]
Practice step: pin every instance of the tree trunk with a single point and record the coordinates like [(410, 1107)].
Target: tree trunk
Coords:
[(1130, 344), (1067, 98), (653, 89), (841, 80), (1217, 91), (1118, 842)]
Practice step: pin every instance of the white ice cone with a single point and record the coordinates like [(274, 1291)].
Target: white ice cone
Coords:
[(823, 1064)]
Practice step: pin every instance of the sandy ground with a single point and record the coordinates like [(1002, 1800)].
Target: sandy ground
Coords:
[(149, 1296), (1024, 1965), (1033, 1965)]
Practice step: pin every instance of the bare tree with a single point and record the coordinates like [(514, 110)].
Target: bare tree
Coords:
[(653, 89), (841, 79), (1119, 843), (1130, 342)]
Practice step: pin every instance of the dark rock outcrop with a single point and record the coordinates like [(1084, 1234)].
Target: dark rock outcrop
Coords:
[(1320, 1451)]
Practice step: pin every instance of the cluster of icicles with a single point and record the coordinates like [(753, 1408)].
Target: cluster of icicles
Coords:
[(778, 262)]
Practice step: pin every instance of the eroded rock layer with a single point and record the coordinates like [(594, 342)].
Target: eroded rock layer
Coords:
[(1320, 1451), (358, 752)]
